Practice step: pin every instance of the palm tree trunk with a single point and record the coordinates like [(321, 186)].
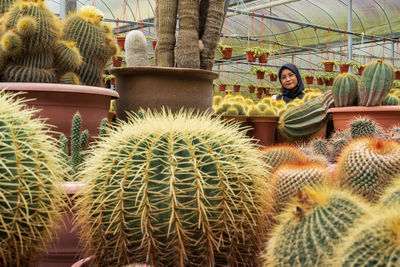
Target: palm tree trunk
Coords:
[(210, 38), (166, 25), (188, 52)]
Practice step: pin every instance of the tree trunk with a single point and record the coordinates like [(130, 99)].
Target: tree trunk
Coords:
[(188, 52), (166, 25), (210, 38)]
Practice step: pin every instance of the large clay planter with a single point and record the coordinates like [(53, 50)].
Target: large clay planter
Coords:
[(154, 87), (263, 128), (386, 116), (59, 103), (64, 250)]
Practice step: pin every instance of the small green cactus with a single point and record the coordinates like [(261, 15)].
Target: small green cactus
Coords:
[(373, 243), (174, 190), (31, 173), (320, 146), (391, 101), (368, 165), (312, 226), (274, 156), (364, 127)]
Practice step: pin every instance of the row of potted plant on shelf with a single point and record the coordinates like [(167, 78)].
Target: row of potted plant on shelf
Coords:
[(252, 53)]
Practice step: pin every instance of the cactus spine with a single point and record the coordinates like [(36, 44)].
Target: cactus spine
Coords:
[(31, 172), (376, 82), (136, 49), (31, 46), (345, 90), (374, 243), (364, 127), (94, 41), (311, 226), (157, 183), (368, 165)]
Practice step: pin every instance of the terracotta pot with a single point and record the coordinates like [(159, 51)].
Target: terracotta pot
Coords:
[(121, 42), (397, 74), (65, 249), (250, 56), (222, 87), (260, 90), (259, 95), (264, 128), (329, 82), (263, 58), (310, 79), (117, 61), (344, 67), (386, 116), (328, 66), (227, 53), (60, 102), (320, 81), (154, 87), (236, 88), (154, 43), (112, 80), (252, 89), (260, 75), (361, 69), (273, 78)]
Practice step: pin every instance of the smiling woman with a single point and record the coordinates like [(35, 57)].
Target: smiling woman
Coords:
[(292, 84)]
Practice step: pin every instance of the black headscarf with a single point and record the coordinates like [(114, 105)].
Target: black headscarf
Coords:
[(289, 95)]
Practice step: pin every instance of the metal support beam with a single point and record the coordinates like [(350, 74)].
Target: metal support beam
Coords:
[(133, 25), (349, 29), (375, 37), (392, 52)]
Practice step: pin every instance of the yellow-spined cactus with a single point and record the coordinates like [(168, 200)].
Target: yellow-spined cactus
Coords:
[(31, 47)]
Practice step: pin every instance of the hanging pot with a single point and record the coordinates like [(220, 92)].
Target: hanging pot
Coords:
[(236, 88), (117, 61), (329, 66), (260, 75), (310, 79), (121, 42), (222, 87), (227, 53), (361, 70), (344, 67), (252, 89), (320, 81), (250, 56), (273, 78), (329, 82), (263, 58)]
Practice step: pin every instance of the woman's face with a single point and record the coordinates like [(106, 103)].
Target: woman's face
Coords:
[(288, 79)]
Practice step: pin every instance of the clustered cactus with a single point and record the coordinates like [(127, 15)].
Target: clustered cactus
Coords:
[(174, 190), (32, 49)]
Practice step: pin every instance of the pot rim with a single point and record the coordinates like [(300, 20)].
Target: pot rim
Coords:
[(57, 87), (189, 72), (363, 108)]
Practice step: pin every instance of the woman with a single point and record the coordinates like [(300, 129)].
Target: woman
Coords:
[(292, 84)]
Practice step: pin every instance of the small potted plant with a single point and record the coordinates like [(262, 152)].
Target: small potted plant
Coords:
[(329, 65), (357, 65), (320, 78), (252, 87), (273, 75), (344, 67), (221, 86), (236, 86), (397, 73), (309, 78), (225, 50), (329, 77), (121, 41), (262, 54), (117, 60), (251, 54), (259, 71)]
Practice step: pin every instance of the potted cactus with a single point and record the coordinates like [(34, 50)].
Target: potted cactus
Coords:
[(368, 98), (196, 43)]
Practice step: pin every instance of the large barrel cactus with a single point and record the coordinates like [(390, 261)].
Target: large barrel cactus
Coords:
[(94, 40), (391, 196), (5, 5), (174, 190), (30, 170), (374, 243), (376, 82), (368, 165), (345, 90), (31, 48), (312, 226), (277, 155)]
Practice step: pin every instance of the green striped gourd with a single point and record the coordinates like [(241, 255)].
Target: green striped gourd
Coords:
[(376, 82), (31, 172), (174, 190), (303, 120), (290, 178), (368, 165), (274, 156), (373, 243), (31, 46), (364, 127), (345, 90), (391, 196), (94, 40), (311, 227)]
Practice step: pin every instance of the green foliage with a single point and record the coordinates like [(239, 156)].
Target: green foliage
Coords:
[(174, 190), (255, 69), (31, 172), (376, 82)]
